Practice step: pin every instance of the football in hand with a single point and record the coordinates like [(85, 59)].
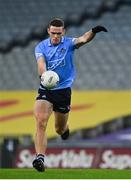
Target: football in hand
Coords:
[(49, 79)]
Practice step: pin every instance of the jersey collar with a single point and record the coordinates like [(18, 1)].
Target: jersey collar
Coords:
[(49, 42)]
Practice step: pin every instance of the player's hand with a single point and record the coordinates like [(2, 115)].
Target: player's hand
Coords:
[(40, 80), (98, 29)]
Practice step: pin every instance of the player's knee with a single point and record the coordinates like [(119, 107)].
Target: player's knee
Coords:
[(41, 116), (41, 120), (41, 125)]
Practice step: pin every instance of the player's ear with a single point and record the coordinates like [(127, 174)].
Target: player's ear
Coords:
[(64, 31), (48, 30)]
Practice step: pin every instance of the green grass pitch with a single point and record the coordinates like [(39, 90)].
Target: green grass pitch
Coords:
[(65, 174)]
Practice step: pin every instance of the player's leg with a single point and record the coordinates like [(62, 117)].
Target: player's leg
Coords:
[(61, 108), (42, 112), (61, 125)]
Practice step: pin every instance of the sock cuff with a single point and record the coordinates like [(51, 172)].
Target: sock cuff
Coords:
[(40, 156)]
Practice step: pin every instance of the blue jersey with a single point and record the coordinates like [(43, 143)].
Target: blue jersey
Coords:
[(59, 58)]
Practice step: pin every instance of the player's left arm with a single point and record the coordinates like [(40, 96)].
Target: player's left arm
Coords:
[(88, 36)]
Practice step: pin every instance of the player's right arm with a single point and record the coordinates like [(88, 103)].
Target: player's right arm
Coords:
[(41, 65), (40, 58)]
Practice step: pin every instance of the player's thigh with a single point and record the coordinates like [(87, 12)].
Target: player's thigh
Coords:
[(61, 119), (42, 109)]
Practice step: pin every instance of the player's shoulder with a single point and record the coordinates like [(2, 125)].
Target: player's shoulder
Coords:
[(69, 39)]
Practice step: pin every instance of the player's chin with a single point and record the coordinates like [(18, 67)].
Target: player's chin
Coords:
[(55, 42)]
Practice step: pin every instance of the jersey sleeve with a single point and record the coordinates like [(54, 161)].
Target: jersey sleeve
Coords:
[(72, 43), (38, 52)]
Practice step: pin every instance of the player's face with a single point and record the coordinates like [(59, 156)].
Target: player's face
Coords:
[(55, 34)]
